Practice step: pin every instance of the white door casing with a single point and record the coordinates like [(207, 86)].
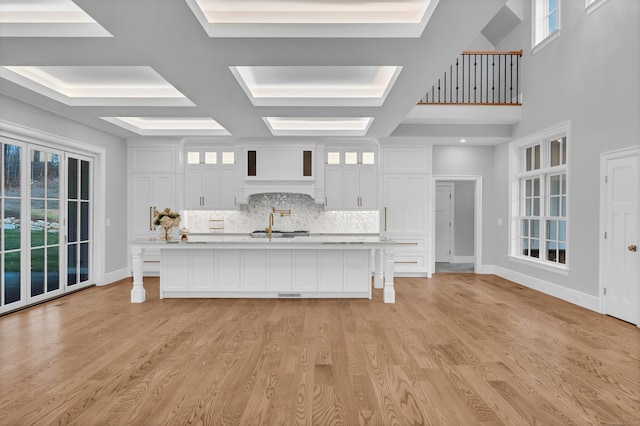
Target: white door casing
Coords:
[(479, 267), (620, 258), (444, 222)]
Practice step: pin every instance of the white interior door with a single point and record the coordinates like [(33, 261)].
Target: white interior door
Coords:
[(444, 222), (622, 259)]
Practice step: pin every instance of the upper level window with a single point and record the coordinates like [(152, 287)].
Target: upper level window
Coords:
[(540, 200), (546, 20)]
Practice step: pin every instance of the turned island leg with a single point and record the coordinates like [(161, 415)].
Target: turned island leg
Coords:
[(389, 293), (138, 294)]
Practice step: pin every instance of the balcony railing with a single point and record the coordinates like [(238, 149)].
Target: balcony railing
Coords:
[(479, 78)]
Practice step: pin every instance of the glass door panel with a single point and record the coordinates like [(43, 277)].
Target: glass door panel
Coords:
[(10, 234), (79, 219), (44, 241)]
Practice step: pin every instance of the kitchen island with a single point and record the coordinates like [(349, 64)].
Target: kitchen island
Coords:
[(240, 266)]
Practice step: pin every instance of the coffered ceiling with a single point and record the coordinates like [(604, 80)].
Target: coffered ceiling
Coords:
[(233, 68)]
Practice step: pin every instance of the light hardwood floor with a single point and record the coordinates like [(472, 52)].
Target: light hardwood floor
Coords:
[(458, 349)]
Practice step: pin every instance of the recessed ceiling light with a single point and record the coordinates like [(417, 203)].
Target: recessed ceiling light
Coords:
[(318, 126), (46, 18), (316, 85), (169, 126), (463, 140), (98, 85)]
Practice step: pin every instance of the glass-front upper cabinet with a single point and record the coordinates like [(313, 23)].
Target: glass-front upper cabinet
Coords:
[(210, 179), (351, 179)]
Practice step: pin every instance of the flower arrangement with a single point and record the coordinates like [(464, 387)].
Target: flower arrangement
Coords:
[(166, 219)]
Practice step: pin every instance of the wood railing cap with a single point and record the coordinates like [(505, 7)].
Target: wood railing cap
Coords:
[(491, 52)]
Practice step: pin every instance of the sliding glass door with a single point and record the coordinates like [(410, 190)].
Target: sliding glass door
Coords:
[(46, 234)]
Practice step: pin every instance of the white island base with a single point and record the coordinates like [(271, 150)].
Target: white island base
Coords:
[(243, 267)]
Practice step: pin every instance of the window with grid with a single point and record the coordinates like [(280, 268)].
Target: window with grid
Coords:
[(546, 15), (542, 202)]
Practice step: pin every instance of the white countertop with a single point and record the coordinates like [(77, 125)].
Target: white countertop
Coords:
[(245, 240)]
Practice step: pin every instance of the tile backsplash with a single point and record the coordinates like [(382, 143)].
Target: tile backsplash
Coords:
[(306, 215)]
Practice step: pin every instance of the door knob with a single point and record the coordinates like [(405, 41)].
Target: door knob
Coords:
[(633, 247)]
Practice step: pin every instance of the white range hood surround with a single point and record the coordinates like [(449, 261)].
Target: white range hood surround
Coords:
[(280, 169), (254, 187)]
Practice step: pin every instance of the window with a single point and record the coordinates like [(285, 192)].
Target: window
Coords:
[(546, 17), (539, 187)]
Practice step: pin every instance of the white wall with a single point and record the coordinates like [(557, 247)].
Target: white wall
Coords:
[(115, 244), (590, 77)]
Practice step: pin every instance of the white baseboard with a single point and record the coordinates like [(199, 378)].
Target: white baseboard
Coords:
[(572, 296), (464, 259), (120, 274)]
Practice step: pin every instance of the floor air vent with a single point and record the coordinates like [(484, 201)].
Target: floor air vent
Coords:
[(288, 294)]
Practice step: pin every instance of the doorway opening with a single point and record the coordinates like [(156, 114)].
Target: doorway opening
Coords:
[(457, 224)]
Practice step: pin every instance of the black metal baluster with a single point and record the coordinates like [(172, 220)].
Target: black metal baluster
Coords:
[(475, 81), (505, 79), (499, 71), (463, 79), (457, 80), (451, 83), (469, 77), (493, 78), (511, 81), (481, 57), (518, 78)]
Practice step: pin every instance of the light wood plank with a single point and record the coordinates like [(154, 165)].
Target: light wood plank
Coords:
[(454, 349)]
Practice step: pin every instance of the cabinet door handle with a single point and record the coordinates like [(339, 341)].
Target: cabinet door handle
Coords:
[(385, 218), (150, 218)]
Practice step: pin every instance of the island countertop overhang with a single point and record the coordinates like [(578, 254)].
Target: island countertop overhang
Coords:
[(317, 241)]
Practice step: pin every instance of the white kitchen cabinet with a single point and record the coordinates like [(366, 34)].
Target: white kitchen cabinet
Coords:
[(152, 186), (272, 271), (405, 203), (405, 206), (210, 179), (149, 192), (351, 180)]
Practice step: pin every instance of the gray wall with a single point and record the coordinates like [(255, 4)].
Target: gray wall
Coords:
[(115, 245), (464, 160), (590, 77)]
